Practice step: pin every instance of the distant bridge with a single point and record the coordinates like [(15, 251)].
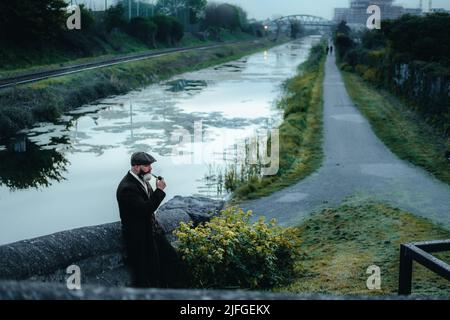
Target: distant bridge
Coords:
[(284, 23), (304, 19)]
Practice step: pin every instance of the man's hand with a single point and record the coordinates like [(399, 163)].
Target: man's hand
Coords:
[(160, 184)]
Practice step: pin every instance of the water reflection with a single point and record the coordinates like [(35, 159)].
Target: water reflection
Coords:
[(211, 185), (186, 85), (77, 162), (237, 66), (24, 165)]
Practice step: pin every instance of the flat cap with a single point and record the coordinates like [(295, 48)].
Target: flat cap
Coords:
[(141, 158)]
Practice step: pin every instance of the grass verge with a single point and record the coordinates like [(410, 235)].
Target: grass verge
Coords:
[(339, 244), (81, 48), (404, 132), (120, 44), (300, 133)]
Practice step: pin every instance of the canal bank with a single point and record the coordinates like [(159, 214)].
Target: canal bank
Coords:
[(356, 163), (46, 100), (73, 165), (404, 131), (300, 135)]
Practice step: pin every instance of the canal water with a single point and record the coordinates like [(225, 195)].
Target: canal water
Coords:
[(64, 175)]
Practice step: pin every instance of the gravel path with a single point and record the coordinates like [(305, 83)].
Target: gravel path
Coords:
[(357, 165)]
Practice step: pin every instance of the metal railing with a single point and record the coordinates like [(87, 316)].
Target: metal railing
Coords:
[(420, 252)]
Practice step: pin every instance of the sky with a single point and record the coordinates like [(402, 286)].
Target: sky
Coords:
[(261, 9)]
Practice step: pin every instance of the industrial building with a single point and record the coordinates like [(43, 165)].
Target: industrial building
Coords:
[(357, 12)]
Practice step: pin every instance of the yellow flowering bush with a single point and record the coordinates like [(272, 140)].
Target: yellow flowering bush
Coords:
[(230, 251)]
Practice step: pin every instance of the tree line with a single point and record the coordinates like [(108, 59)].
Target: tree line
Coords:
[(41, 22), (409, 55)]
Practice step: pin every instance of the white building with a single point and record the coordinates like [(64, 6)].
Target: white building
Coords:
[(357, 12)]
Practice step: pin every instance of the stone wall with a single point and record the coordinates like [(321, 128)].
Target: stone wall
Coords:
[(35, 269), (96, 250)]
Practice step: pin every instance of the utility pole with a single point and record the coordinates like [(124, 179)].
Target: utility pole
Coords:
[(430, 5), (138, 8), (106, 5)]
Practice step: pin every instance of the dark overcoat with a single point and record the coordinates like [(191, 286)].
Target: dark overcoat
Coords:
[(140, 230)]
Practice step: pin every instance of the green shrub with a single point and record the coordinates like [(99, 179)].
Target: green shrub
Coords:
[(409, 56), (375, 58), (346, 67), (361, 69), (177, 30), (88, 20), (114, 17), (343, 44), (229, 251), (169, 29), (143, 29), (13, 119), (370, 75)]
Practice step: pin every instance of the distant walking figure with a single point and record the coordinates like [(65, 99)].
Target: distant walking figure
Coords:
[(331, 49), (327, 49)]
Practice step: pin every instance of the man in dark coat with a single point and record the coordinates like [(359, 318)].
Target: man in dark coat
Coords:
[(145, 244)]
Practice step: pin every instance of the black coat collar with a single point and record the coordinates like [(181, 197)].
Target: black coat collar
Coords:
[(138, 185)]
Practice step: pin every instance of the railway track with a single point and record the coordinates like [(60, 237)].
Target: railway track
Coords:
[(41, 75)]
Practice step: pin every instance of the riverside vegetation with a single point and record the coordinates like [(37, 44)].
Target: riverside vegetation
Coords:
[(398, 77), (335, 246), (300, 135)]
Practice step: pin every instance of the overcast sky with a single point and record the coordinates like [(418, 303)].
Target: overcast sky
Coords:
[(261, 9)]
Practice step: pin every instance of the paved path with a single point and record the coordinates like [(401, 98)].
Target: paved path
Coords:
[(356, 164)]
